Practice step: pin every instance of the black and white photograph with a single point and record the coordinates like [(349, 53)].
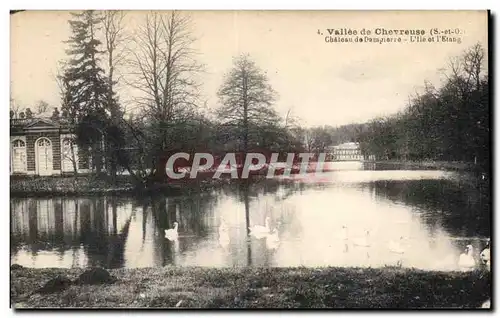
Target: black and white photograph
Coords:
[(250, 159)]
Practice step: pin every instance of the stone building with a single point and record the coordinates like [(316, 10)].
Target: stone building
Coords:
[(42, 146), (349, 151)]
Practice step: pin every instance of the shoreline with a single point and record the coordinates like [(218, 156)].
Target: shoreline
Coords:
[(90, 184), (254, 287), (429, 164)]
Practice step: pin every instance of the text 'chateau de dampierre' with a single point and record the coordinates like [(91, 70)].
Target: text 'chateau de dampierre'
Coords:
[(382, 35)]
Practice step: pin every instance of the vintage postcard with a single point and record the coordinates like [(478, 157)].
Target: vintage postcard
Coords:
[(250, 159)]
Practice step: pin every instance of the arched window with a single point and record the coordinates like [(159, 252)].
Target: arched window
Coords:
[(18, 156), (18, 143), (43, 157), (43, 142)]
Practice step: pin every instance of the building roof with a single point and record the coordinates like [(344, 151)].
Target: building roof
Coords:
[(22, 126), (347, 145)]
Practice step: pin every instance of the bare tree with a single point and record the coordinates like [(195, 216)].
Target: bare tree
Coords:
[(115, 40), (164, 71), (41, 107), (473, 63), (466, 70), (164, 65), (292, 122), (15, 107)]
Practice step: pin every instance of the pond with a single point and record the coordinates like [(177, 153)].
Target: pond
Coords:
[(353, 216)]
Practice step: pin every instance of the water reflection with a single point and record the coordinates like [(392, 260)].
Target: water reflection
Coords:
[(420, 219)]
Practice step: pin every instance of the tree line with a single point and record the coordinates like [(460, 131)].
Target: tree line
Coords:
[(162, 68), (449, 123), (158, 62)]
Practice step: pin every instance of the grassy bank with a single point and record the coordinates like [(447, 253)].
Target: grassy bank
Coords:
[(90, 184), (83, 184), (33, 186), (258, 288)]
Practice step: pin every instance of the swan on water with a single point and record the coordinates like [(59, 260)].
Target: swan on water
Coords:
[(224, 238), (485, 255), (176, 247), (223, 234), (362, 241), (260, 231), (466, 260), (486, 304), (223, 226), (396, 247), (273, 239), (343, 233), (172, 234)]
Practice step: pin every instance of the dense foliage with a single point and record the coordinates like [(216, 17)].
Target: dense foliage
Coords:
[(449, 123)]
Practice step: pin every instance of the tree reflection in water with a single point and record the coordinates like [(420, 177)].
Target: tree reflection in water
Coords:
[(129, 232)]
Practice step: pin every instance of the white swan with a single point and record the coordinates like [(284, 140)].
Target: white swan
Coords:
[(396, 247), (224, 239), (466, 260), (223, 228), (273, 239), (343, 233), (172, 234), (485, 255), (486, 304), (223, 234), (176, 247), (260, 231), (362, 241)]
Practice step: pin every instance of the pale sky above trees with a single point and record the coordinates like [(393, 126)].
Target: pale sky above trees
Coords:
[(323, 83)]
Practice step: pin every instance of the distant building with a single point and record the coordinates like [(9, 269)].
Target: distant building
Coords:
[(42, 146), (349, 151)]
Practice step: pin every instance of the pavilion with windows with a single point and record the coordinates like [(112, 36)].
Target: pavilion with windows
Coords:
[(42, 146)]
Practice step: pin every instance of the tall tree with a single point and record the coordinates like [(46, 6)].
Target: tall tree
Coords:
[(87, 92), (68, 151), (164, 70), (115, 43), (247, 99), (114, 40)]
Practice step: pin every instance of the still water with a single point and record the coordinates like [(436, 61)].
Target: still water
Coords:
[(351, 217)]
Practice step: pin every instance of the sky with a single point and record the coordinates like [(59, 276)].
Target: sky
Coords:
[(321, 83)]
